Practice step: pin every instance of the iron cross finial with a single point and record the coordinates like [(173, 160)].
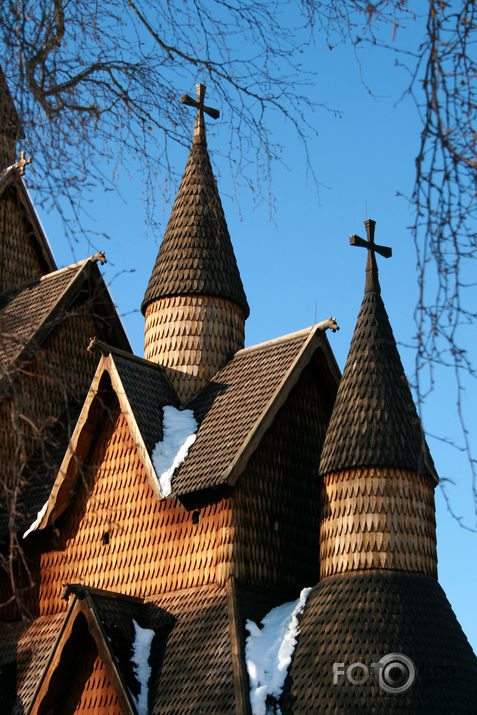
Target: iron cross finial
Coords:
[(21, 163), (199, 129), (372, 283)]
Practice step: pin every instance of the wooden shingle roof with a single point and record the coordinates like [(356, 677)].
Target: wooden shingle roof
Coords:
[(238, 405), (25, 648), (233, 411), (11, 183), (28, 314), (194, 657), (196, 255), (361, 616), (374, 420), (9, 120)]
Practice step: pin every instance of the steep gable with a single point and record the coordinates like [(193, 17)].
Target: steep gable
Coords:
[(240, 402), (25, 253)]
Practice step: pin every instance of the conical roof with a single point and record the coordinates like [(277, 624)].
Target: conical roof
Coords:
[(374, 422), (376, 618), (9, 120), (196, 255)]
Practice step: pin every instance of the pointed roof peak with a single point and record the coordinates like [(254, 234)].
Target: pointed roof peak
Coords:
[(199, 128), (196, 256), (9, 120), (374, 422), (372, 281)]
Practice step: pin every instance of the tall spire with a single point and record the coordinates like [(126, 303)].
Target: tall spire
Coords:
[(377, 473), (10, 125), (378, 605), (195, 305), (374, 420)]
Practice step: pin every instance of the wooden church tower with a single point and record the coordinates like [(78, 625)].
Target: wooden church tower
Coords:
[(195, 306), (378, 633), (139, 580)]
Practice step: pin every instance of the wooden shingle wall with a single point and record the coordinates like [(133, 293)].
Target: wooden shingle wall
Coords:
[(276, 540), (20, 262), (377, 518), (192, 336), (91, 690), (118, 536)]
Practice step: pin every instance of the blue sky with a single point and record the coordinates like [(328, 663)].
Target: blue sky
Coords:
[(299, 263)]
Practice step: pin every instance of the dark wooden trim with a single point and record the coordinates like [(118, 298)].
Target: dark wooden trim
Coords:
[(237, 646)]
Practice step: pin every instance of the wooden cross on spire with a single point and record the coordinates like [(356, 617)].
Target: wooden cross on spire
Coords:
[(199, 129), (372, 283)]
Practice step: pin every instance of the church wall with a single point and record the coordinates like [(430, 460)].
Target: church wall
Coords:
[(277, 522), (118, 536), (19, 261)]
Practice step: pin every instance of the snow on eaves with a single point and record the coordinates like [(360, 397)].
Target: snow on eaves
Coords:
[(269, 651), (179, 429), (142, 670), (37, 521)]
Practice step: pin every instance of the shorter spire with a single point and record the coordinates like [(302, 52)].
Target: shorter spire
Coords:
[(374, 422), (199, 129), (372, 282)]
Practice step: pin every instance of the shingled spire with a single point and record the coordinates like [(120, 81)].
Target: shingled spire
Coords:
[(375, 452), (195, 306), (10, 125), (378, 633), (374, 420)]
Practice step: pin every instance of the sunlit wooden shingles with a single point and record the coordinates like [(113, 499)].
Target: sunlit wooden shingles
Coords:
[(121, 538)]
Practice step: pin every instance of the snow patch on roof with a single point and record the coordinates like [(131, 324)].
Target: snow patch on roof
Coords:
[(269, 651), (142, 670), (179, 429), (37, 521)]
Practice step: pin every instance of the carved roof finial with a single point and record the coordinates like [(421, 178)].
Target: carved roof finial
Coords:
[(372, 282), (199, 129), (21, 163)]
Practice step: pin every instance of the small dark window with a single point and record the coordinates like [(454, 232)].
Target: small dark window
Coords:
[(196, 517), (106, 537)]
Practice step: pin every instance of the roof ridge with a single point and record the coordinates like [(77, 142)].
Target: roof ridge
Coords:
[(106, 349), (97, 257), (275, 341)]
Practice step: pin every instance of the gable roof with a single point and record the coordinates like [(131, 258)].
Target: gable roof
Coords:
[(142, 390), (10, 179), (234, 411), (196, 255), (239, 403), (109, 619), (374, 422), (196, 657), (28, 314)]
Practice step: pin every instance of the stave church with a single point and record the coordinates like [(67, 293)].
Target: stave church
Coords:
[(210, 528)]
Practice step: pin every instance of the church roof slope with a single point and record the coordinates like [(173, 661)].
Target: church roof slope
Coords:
[(238, 405), (31, 312), (374, 420), (25, 649), (196, 254), (34, 242), (362, 616)]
